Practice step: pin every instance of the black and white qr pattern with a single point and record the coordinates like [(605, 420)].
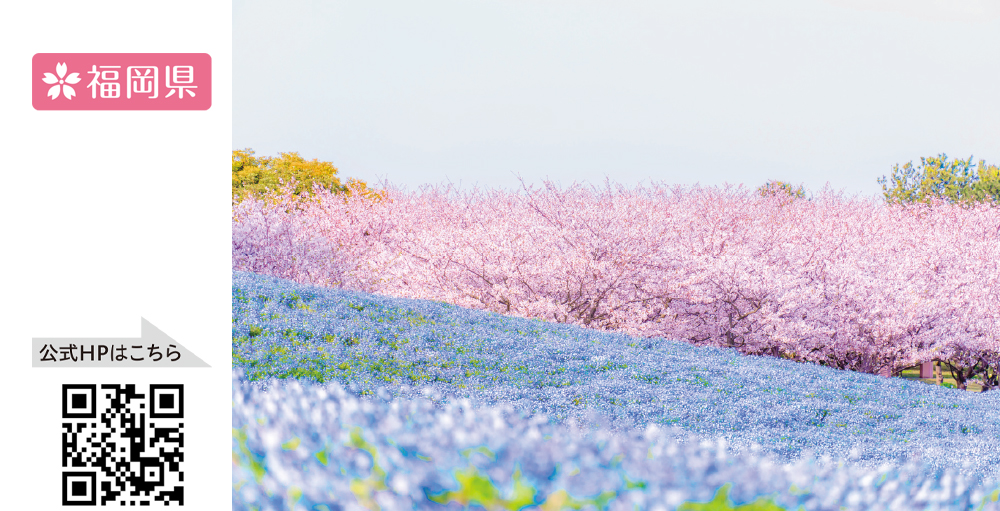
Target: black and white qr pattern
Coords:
[(122, 447)]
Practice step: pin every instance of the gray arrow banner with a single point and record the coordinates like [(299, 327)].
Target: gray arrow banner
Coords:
[(152, 348)]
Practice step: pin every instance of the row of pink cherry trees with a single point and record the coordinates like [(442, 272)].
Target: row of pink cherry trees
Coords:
[(847, 283)]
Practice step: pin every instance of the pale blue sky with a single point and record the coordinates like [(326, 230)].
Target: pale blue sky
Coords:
[(807, 91)]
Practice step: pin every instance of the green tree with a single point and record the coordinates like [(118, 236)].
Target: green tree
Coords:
[(956, 182), (781, 188), (263, 175)]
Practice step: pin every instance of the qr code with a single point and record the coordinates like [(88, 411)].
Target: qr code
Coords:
[(122, 446)]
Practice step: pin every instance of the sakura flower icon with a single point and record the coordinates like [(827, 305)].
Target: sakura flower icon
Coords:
[(62, 80)]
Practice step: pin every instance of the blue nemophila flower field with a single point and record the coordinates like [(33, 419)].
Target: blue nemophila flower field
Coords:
[(347, 400)]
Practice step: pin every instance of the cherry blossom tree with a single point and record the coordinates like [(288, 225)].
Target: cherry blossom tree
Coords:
[(847, 283)]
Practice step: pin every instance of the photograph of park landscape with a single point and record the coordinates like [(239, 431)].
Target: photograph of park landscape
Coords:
[(489, 255)]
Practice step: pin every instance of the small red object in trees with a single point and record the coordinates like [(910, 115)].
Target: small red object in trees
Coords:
[(927, 370)]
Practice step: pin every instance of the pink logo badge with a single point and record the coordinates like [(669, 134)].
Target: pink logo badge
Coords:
[(121, 81)]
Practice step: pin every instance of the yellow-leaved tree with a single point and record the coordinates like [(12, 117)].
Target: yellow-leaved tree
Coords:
[(261, 176)]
